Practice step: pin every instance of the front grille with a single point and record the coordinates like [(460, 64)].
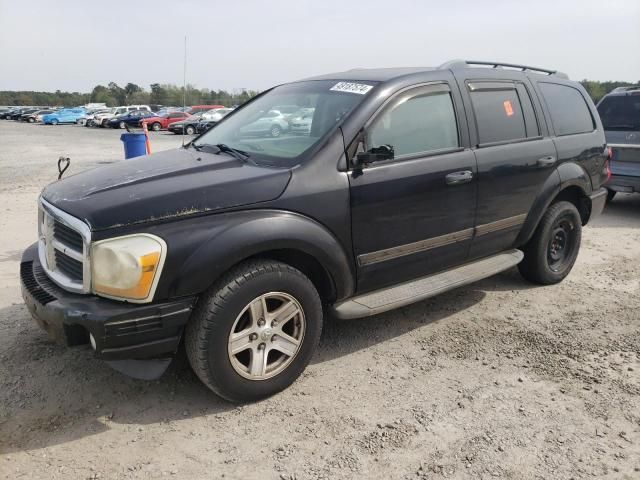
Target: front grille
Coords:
[(67, 235), (31, 284), (69, 266), (63, 248)]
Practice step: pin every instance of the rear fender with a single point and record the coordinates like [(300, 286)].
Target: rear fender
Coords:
[(567, 175)]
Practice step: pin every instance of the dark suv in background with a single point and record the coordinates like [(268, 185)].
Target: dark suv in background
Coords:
[(620, 114), (408, 182)]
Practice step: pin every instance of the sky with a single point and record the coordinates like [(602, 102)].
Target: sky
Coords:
[(234, 44)]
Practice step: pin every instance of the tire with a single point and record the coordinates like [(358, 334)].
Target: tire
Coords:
[(122, 125), (54, 122), (610, 195), (189, 130), (31, 120), (275, 131), (552, 251), (156, 127), (227, 308)]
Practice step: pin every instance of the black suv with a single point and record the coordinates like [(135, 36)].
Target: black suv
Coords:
[(409, 182)]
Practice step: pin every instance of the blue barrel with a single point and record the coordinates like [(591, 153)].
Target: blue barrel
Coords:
[(134, 144)]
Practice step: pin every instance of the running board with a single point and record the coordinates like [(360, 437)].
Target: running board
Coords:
[(425, 287)]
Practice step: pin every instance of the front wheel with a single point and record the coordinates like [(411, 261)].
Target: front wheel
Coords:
[(254, 331), (156, 127), (552, 251), (54, 122), (190, 130), (31, 120), (122, 125)]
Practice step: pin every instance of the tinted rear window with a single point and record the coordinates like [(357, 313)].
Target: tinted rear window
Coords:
[(620, 112), (499, 115), (568, 108)]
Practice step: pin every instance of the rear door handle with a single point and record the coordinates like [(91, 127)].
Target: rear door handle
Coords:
[(457, 178), (546, 161)]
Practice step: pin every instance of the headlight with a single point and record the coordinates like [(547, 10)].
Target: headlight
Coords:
[(127, 268)]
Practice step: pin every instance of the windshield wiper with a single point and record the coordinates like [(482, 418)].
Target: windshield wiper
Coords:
[(239, 154)]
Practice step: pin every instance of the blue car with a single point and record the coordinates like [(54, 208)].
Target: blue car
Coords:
[(66, 115), (132, 119)]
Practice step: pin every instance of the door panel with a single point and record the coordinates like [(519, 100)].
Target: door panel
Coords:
[(407, 221), (509, 179)]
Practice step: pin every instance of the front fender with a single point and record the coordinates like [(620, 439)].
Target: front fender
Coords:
[(220, 241)]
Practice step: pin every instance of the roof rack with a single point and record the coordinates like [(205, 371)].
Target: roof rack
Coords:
[(626, 89), (523, 68)]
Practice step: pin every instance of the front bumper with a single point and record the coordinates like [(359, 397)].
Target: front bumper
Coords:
[(121, 331)]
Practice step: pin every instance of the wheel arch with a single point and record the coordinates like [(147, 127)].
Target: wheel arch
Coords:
[(569, 183), (278, 235)]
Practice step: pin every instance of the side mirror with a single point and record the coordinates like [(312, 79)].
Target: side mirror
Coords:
[(376, 154)]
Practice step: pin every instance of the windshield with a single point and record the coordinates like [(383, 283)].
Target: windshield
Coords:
[(620, 112), (263, 128)]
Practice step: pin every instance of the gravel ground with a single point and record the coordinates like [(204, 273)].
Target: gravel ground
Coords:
[(499, 379)]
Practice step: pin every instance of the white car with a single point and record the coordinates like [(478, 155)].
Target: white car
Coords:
[(102, 119), (216, 114)]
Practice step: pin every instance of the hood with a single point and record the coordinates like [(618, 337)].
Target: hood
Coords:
[(169, 184)]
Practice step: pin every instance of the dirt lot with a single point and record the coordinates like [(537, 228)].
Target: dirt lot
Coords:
[(496, 380)]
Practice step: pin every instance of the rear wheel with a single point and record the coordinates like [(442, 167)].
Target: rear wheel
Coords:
[(552, 251), (32, 120), (122, 125), (54, 121), (254, 331), (190, 130)]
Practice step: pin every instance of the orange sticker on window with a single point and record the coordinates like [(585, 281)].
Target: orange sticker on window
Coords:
[(508, 109)]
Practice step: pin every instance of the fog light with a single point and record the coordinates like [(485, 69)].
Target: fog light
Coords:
[(92, 341)]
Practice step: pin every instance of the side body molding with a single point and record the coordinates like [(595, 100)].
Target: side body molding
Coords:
[(566, 175), (239, 235)]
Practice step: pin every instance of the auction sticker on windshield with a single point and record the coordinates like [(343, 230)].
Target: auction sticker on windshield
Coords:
[(350, 87)]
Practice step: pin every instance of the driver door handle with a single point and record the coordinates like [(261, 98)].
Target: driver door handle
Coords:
[(458, 178), (546, 161)]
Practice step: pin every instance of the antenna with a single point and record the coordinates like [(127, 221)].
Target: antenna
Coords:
[(184, 85)]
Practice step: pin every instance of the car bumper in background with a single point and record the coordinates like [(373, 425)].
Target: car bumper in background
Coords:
[(120, 331), (624, 183)]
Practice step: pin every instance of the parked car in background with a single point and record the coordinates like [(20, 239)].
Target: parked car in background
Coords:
[(102, 119), (161, 122), (131, 118), (210, 118), (202, 108), (272, 124), (620, 114), (188, 125), (287, 111), (88, 119), (37, 115), (66, 115), (26, 113), (16, 113), (300, 122)]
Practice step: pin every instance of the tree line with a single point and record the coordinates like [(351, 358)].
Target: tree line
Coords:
[(114, 95), (166, 94)]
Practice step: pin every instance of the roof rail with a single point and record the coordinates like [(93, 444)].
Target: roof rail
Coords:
[(453, 64), (626, 89)]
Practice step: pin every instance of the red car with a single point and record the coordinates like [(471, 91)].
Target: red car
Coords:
[(162, 121)]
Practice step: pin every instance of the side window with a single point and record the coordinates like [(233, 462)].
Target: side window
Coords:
[(499, 112), (568, 108), (416, 124)]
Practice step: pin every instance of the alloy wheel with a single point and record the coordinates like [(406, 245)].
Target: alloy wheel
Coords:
[(266, 336)]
